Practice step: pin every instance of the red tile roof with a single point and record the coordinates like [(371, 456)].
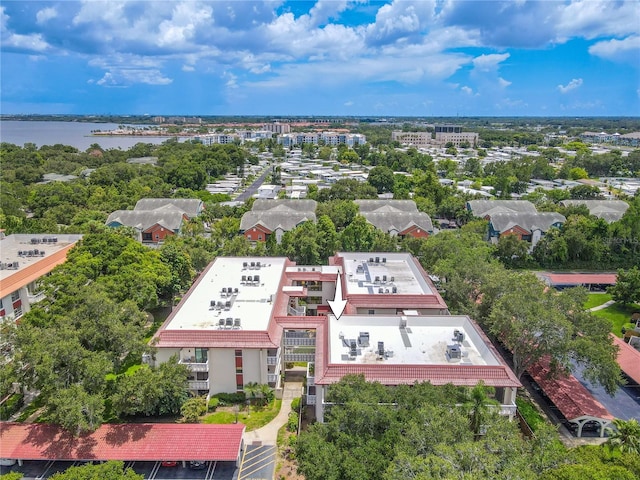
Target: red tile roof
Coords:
[(461, 375), (628, 359), (568, 394), (134, 442), (581, 278), (214, 339)]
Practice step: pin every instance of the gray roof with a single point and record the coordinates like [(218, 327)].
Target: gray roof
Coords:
[(189, 206), (295, 205), (502, 222), (381, 206), (397, 222), (168, 216), (279, 214), (609, 210), (482, 208), (394, 215), (143, 160)]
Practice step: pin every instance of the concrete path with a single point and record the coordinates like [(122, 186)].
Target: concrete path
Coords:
[(603, 306), (268, 434)]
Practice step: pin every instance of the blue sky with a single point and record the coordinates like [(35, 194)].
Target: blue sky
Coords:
[(337, 57)]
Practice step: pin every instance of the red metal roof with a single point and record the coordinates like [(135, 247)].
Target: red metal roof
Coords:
[(581, 278), (628, 359), (568, 394), (134, 442)]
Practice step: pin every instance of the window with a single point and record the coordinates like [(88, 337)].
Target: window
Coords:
[(15, 296), (201, 355), (259, 237), (17, 313), (147, 237), (372, 312), (202, 376), (248, 237)]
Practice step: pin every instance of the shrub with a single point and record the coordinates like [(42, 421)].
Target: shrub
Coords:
[(288, 365), (11, 406), (213, 404), (292, 423), (230, 398), (295, 404)]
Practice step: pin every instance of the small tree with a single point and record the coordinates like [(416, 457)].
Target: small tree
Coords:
[(625, 436), (193, 409), (627, 287)]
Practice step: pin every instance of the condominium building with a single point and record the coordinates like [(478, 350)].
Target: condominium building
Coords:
[(25, 259), (244, 318)]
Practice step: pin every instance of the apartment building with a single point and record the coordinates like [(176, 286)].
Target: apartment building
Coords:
[(25, 259), (244, 318)]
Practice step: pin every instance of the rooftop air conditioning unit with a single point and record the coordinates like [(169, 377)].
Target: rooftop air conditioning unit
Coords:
[(454, 352)]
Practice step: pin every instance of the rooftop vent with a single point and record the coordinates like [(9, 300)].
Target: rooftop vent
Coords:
[(454, 352), (458, 335), (363, 339), (353, 349), (381, 349)]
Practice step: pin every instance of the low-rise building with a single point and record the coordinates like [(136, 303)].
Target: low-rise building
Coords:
[(609, 210), (396, 217), (154, 219), (25, 260), (244, 318), (274, 217), (527, 226)]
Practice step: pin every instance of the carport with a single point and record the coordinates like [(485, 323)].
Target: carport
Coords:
[(126, 442), (572, 399)]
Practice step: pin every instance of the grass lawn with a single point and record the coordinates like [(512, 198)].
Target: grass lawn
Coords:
[(258, 417), (596, 299), (619, 316)]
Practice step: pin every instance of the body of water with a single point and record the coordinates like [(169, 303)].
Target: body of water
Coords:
[(76, 134)]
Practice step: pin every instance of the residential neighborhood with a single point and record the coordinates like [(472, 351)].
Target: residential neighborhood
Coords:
[(252, 290)]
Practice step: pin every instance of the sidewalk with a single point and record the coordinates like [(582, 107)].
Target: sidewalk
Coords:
[(603, 306), (268, 434)]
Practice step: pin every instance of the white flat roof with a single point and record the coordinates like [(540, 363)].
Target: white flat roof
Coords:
[(424, 341), (390, 269), (25, 249), (252, 304)]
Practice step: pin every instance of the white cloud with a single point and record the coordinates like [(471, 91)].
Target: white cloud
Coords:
[(503, 83), (625, 50), (46, 14), (348, 103), (467, 90), (597, 18), (572, 85), (489, 62), (188, 68)]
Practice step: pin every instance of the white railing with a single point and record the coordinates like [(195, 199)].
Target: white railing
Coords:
[(298, 312), (508, 410), (297, 342), (272, 360), (198, 384), (272, 378), (311, 399), (35, 297), (195, 366)]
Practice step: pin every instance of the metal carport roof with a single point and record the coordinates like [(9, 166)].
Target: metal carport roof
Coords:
[(132, 442)]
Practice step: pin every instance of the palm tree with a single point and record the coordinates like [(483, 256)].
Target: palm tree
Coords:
[(252, 389), (267, 393), (478, 407), (625, 436)]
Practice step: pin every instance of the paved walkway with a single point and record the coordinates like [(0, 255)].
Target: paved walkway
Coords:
[(603, 306), (268, 434)]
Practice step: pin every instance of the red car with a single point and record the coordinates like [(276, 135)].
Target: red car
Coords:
[(169, 464)]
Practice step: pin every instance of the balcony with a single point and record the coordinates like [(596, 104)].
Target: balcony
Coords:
[(271, 378), (294, 342), (311, 399), (272, 360), (198, 384), (193, 365), (35, 297), (301, 311), (507, 410)]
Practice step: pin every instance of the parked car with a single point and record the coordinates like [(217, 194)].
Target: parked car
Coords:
[(196, 465), (169, 464)]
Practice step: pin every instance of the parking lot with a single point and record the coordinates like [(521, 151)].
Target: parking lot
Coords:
[(40, 470)]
